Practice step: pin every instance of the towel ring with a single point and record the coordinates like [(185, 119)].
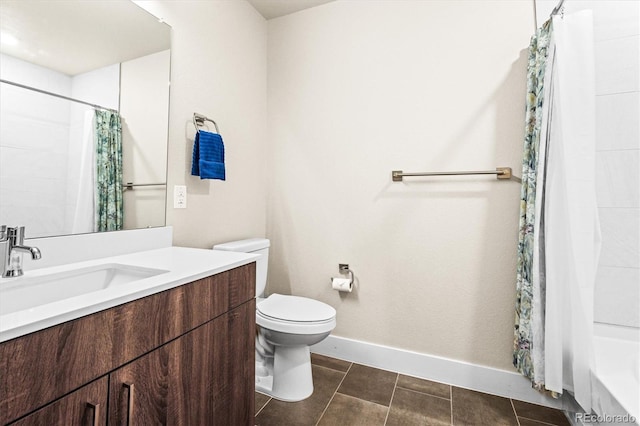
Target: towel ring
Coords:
[(199, 119)]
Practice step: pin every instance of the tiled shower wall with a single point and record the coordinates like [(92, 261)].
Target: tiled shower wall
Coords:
[(40, 137), (34, 135), (617, 56)]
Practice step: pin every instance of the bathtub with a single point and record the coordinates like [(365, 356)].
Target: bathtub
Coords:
[(616, 377)]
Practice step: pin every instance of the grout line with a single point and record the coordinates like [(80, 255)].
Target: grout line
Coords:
[(331, 368), (630, 327), (361, 400), (617, 149), (395, 386), (513, 407), (615, 266), (423, 393), (334, 394), (617, 93), (451, 399), (537, 421), (263, 405)]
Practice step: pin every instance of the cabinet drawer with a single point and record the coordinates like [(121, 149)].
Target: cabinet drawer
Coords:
[(38, 368), (85, 407), (205, 377)]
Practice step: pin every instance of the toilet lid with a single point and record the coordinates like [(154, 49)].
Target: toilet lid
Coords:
[(295, 308)]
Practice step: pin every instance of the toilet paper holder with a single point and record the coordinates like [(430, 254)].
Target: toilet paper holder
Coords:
[(344, 269)]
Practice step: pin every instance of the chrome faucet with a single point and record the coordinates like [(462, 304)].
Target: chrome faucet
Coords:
[(13, 239)]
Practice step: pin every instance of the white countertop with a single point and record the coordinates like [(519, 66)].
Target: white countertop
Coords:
[(183, 265)]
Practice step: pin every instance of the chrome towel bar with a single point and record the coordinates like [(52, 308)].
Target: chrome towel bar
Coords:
[(500, 172), (130, 185)]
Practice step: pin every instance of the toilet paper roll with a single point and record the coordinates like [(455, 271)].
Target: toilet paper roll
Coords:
[(342, 284)]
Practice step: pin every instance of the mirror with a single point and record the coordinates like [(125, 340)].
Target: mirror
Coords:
[(60, 61)]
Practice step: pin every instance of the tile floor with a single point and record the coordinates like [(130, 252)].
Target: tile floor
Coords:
[(349, 394)]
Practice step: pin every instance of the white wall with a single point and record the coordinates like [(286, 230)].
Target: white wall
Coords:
[(100, 86), (358, 89), (218, 68), (617, 56), (144, 107)]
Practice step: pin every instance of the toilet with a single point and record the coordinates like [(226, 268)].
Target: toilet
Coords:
[(287, 326)]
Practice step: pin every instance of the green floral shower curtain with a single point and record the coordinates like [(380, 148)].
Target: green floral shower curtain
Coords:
[(529, 322), (108, 176)]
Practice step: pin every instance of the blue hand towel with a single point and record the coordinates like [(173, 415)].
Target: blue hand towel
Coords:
[(208, 156)]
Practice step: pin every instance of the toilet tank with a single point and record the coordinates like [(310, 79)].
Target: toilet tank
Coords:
[(256, 246)]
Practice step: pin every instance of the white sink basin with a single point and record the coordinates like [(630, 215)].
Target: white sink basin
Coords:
[(28, 292)]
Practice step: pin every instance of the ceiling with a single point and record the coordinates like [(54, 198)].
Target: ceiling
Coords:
[(73, 37), (47, 31), (274, 8)]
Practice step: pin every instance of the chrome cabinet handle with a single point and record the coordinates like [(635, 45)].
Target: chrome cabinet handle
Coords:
[(95, 410), (129, 388)]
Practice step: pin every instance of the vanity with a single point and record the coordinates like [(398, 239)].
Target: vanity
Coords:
[(173, 348), (113, 328)]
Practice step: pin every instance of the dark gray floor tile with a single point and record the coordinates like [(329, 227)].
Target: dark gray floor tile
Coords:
[(365, 394), (528, 422), (345, 410), (419, 409), (424, 386), (307, 412), (261, 400), (370, 384), (333, 363), (476, 408), (540, 413)]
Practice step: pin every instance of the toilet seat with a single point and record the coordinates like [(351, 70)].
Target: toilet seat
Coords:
[(295, 315)]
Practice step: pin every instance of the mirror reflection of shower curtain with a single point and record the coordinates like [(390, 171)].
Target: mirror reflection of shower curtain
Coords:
[(108, 172), (84, 208)]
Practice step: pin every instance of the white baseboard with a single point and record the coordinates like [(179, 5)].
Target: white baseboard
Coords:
[(438, 369)]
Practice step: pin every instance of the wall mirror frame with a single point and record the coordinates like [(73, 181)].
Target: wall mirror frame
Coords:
[(60, 62)]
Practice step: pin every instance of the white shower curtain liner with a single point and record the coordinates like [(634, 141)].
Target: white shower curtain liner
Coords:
[(84, 213), (571, 227)]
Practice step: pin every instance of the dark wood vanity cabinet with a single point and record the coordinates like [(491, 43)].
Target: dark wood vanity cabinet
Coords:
[(182, 384), (85, 406), (181, 357)]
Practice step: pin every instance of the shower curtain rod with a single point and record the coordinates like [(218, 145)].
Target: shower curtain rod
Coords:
[(557, 8), (56, 95)]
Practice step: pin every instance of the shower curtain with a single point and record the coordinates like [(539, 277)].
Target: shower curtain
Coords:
[(559, 237), (108, 173), (84, 209)]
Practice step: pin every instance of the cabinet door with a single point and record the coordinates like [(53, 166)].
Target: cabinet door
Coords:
[(85, 407), (235, 367), (169, 386), (204, 377)]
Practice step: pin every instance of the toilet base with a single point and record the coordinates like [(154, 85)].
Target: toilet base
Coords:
[(290, 377), (264, 384)]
